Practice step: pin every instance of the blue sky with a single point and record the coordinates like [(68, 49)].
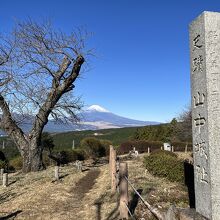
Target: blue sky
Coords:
[(141, 68)]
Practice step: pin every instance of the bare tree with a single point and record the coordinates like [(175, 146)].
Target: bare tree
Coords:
[(38, 68), (185, 125)]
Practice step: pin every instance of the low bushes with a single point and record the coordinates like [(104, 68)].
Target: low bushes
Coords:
[(94, 148), (163, 152), (165, 164), (180, 146), (65, 157), (140, 146), (69, 156), (106, 144), (3, 161), (16, 163), (3, 164), (89, 148)]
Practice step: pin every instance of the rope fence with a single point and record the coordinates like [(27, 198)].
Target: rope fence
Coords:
[(120, 181), (153, 210), (132, 217)]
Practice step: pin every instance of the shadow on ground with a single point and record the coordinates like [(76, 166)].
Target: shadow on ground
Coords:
[(189, 182), (134, 201), (11, 215)]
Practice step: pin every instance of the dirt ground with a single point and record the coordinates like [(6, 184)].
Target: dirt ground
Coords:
[(84, 195)]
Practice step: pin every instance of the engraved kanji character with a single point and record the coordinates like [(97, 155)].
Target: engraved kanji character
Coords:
[(197, 64), (196, 43)]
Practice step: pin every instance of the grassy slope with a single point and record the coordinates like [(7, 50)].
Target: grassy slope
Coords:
[(63, 141), (116, 136), (39, 198)]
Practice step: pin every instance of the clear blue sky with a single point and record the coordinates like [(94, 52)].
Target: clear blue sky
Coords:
[(142, 66)]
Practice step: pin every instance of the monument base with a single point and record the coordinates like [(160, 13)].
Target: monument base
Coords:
[(183, 214)]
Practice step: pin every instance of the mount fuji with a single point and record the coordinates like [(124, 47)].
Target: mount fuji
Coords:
[(93, 118), (101, 118)]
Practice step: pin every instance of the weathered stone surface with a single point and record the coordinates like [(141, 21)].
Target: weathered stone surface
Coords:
[(205, 90), (172, 213), (189, 214)]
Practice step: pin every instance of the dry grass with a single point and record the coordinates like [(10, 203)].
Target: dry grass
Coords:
[(159, 192), (38, 197)]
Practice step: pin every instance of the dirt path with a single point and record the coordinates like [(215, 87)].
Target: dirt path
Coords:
[(41, 198), (85, 184), (83, 195)]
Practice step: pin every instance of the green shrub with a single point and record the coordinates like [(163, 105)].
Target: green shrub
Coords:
[(164, 152), (16, 163), (46, 160), (165, 164), (3, 164), (47, 141), (80, 154), (106, 144), (70, 156), (140, 146), (92, 147)]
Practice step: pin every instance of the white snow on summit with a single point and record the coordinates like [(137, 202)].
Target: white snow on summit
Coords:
[(96, 108)]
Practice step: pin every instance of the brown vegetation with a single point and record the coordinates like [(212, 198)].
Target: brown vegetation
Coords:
[(84, 195)]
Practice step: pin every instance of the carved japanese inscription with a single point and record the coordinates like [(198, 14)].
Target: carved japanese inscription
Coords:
[(197, 42), (199, 122), (201, 148), (205, 93), (201, 174), (199, 99), (198, 64)]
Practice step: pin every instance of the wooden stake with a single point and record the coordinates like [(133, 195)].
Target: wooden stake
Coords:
[(186, 148), (2, 171), (110, 157), (113, 171), (57, 172), (5, 180), (123, 189)]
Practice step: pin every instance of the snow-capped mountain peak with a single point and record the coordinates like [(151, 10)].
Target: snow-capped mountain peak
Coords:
[(96, 108)]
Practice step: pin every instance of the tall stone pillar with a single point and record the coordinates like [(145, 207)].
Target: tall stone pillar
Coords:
[(205, 91)]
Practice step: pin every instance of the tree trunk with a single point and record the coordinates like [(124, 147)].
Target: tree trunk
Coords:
[(32, 158)]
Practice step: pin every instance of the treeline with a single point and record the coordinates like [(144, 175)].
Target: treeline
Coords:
[(170, 132), (142, 146)]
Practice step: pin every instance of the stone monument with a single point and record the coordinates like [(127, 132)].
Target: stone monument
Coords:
[(205, 90)]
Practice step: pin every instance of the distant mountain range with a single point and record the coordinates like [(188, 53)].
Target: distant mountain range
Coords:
[(93, 118)]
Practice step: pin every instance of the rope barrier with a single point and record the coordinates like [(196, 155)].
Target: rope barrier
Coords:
[(122, 185), (155, 211), (129, 211)]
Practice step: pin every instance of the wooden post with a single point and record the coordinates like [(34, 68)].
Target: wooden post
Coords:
[(110, 157), (148, 150), (186, 148), (123, 189), (57, 172), (161, 147), (113, 171), (2, 171), (5, 180), (80, 166), (73, 145)]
